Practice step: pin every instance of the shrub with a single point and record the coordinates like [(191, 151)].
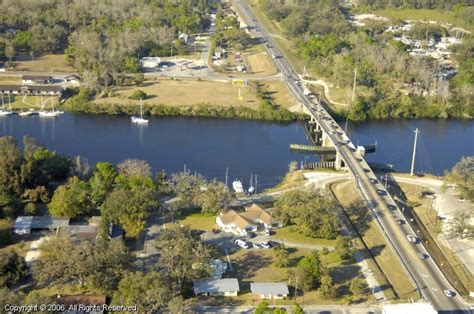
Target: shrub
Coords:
[(138, 94)]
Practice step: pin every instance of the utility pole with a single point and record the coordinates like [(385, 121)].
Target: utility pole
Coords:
[(414, 153), (354, 86)]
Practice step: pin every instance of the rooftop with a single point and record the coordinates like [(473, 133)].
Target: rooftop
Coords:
[(216, 285), (233, 217), (40, 222), (266, 288), (36, 77)]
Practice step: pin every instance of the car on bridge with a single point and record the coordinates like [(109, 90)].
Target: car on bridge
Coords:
[(411, 238), (423, 255), (449, 293), (381, 192), (374, 181), (399, 221)]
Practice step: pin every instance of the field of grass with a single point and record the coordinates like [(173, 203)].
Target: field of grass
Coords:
[(187, 93), (289, 234), (10, 80), (34, 102), (199, 221), (46, 63), (259, 62), (388, 272)]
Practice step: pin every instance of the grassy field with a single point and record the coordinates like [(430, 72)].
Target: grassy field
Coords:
[(389, 272), (179, 92), (198, 221), (10, 80), (289, 234), (258, 61), (46, 63)]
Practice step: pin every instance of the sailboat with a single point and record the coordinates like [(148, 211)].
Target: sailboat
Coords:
[(251, 189), (4, 112), (29, 112), (140, 119), (237, 186), (53, 113)]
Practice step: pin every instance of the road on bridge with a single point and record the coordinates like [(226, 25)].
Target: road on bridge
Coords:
[(424, 273)]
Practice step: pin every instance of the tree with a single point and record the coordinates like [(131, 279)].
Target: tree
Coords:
[(460, 225), (462, 175), (10, 52), (356, 286), (102, 181), (296, 309), (80, 167), (176, 305), (150, 292), (71, 200), (9, 297), (138, 94), (187, 187), (129, 208), (327, 288), (309, 271), (12, 268), (30, 209), (182, 256), (95, 265), (10, 164), (214, 197), (311, 211), (263, 308), (35, 297), (282, 254), (134, 168), (344, 248), (292, 167)]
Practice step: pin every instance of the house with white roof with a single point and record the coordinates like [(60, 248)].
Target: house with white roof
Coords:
[(269, 290), (228, 287)]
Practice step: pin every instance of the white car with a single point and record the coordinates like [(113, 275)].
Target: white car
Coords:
[(241, 243), (264, 244), (449, 293)]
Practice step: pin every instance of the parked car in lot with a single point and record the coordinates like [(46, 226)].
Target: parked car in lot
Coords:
[(252, 235), (268, 232), (449, 293), (241, 243), (265, 244)]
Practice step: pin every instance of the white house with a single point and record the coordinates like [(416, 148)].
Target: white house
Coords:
[(269, 290), (262, 216), (150, 63), (228, 287), (235, 223)]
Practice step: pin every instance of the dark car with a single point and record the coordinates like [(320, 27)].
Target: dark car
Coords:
[(392, 207), (381, 192), (373, 181), (399, 221), (423, 255)]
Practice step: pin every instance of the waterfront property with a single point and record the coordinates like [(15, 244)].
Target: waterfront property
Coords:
[(235, 223), (269, 290), (228, 287)]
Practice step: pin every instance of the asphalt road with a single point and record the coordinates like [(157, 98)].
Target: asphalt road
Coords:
[(425, 274)]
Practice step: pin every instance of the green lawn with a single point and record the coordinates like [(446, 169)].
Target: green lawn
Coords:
[(199, 221), (287, 234)]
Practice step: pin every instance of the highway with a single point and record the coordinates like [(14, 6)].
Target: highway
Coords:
[(424, 273)]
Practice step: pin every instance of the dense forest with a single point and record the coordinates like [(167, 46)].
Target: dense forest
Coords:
[(102, 39), (390, 82)]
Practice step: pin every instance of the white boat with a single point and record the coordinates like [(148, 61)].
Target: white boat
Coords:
[(4, 112), (139, 119), (53, 113), (27, 113), (237, 186)]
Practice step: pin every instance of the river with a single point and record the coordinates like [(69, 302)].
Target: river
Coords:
[(209, 146)]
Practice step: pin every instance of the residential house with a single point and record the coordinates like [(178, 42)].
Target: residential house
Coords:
[(184, 37), (263, 216), (36, 79), (27, 224), (233, 222), (81, 232), (269, 290), (217, 287)]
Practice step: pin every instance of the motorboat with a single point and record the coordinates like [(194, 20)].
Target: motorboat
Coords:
[(140, 119), (237, 186)]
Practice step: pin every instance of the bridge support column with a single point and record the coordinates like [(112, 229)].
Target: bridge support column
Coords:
[(338, 161), (325, 141)]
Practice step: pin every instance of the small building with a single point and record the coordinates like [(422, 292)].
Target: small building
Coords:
[(269, 290), (228, 287), (81, 232), (184, 37), (150, 63), (233, 222), (36, 79), (82, 304), (27, 224), (72, 79), (260, 215)]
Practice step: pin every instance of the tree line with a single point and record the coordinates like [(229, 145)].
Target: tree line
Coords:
[(390, 82)]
